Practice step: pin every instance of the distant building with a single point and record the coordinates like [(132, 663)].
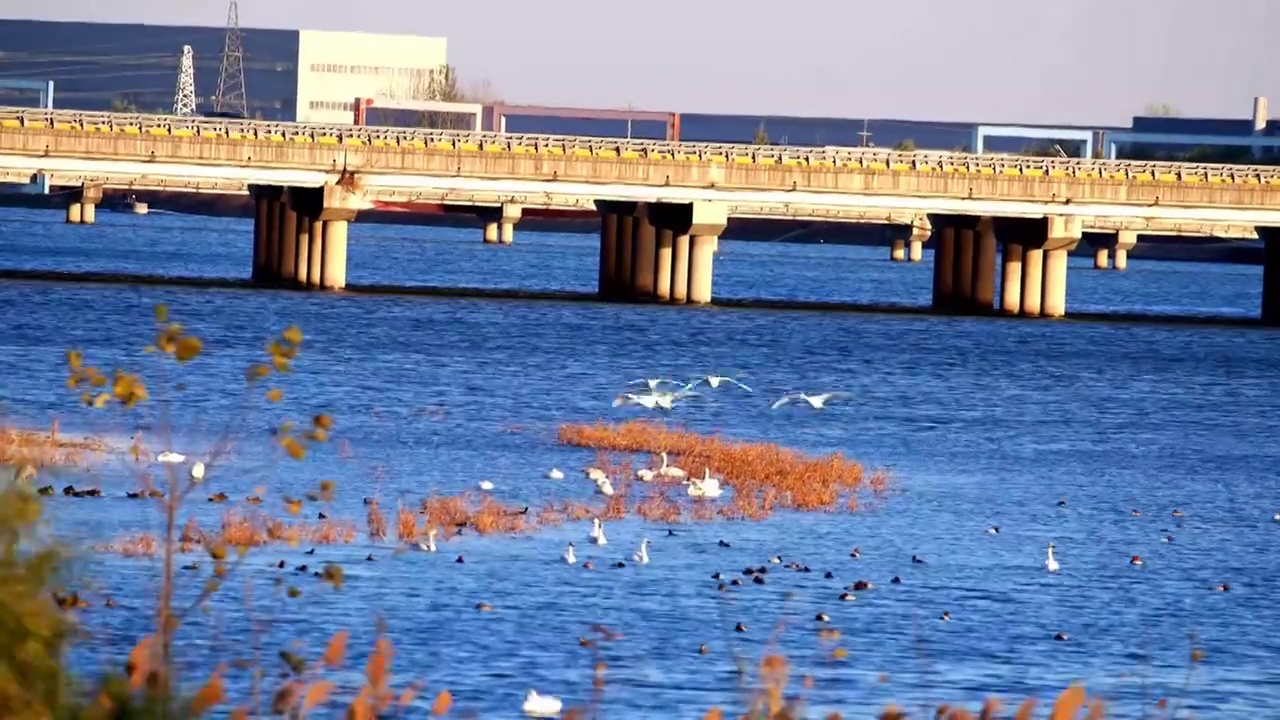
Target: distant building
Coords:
[(304, 75)]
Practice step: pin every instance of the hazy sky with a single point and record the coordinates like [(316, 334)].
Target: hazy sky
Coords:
[(1079, 61)]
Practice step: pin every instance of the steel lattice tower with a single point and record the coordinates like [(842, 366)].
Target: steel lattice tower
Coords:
[(184, 95), (231, 97)]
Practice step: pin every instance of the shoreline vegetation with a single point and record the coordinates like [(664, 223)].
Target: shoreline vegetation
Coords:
[(43, 599)]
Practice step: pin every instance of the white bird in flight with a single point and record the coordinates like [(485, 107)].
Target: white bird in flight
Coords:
[(715, 381), (651, 401), (817, 402), (653, 383)]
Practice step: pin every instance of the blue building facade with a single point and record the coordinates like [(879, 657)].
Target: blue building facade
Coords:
[(101, 66)]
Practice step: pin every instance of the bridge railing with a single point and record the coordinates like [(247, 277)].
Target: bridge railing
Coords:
[(729, 153)]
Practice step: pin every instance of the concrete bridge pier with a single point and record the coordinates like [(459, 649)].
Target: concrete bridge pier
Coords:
[(617, 224), (944, 254), (695, 235), (1105, 244), (606, 280), (1270, 237), (644, 261), (964, 264), (666, 242), (921, 229), (327, 213), (267, 201), (82, 205), (1045, 244), (1011, 279), (898, 250), (500, 223), (679, 268)]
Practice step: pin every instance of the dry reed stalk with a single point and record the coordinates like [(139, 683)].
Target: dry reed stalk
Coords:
[(406, 524), (767, 476), (46, 448), (141, 545)]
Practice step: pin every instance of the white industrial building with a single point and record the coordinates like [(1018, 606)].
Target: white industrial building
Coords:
[(335, 68)]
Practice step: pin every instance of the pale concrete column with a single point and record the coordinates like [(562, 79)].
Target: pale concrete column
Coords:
[(1032, 281), (334, 272), (715, 243), (944, 268), (1122, 258), (1055, 284), (626, 246), (288, 267), (915, 250), (1100, 257), (302, 256), (898, 252), (315, 256), (662, 269), (644, 259), (606, 282), (702, 249), (261, 217), (962, 284), (506, 232), (275, 209), (73, 212), (1011, 280), (88, 213), (984, 267), (1125, 241), (680, 269), (491, 232), (1270, 238)]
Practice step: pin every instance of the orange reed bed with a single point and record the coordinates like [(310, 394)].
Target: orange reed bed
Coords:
[(764, 476), (45, 448)]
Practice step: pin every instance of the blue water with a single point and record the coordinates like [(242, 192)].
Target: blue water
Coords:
[(982, 422)]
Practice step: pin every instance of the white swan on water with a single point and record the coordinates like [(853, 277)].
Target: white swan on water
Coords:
[(596, 528), (707, 487), (430, 544), (670, 471), (169, 456), (1051, 562), (595, 474), (555, 474), (817, 402), (536, 705), (197, 471), (642, 555), (568, 556), (486, 485), (604, 487), (599, 537)]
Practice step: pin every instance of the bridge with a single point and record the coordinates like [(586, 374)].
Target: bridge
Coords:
[(662, 204)]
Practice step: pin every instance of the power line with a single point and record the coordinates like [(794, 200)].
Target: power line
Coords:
[(231, 96)]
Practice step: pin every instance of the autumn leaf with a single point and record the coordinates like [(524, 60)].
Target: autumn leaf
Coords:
[(187, 348), (316, 695), (1068, 704), (210, 695), (75, 359), (274, 395), (292, 335), (336, 649), (713, 714), (293, 448), (1025, 710), (161, 312), (443, 702), (322, 421), (140, 662)]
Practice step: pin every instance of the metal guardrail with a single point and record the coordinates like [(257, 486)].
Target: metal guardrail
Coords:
[(631, 149)]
